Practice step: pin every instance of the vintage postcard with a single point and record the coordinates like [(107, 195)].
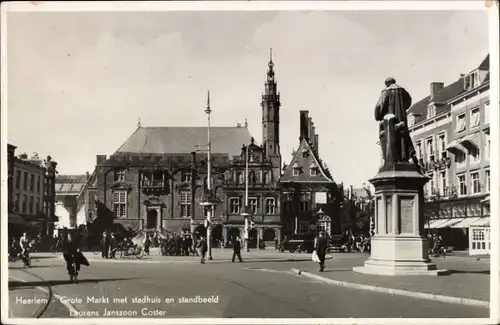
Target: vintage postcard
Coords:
[(250, 162)]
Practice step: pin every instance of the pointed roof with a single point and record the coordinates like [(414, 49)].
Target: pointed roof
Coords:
[(184, 140), (305, 164)]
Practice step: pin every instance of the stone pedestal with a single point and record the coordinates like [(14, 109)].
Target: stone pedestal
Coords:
[(399, 246)]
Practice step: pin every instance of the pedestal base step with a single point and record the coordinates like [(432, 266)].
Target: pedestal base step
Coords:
[(395, 271)]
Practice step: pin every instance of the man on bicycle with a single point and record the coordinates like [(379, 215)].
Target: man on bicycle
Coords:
[(70, 249)]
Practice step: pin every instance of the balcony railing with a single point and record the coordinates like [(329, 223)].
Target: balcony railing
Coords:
[(153, 184)]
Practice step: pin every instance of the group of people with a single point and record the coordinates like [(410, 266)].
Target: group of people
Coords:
[(357, 242)]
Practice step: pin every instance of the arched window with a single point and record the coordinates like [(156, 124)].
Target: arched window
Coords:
[(264, 178), (241, 178)]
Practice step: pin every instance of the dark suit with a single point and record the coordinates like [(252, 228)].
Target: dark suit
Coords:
[(237, 250), (69, 249), (321, 248)]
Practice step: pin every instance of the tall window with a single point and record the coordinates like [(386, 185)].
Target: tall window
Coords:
[(31, 205), (419, 151), (264, 178), (32, 182), (460, 159), (486, 109), (442, 145), (487, 180), (234, 205), (270, 206), (186, 176), (119, 175), (37, 207), (38, 184), (186, 204), (25, 201), (460, 123), (487, 145), (120, 203), (442, 182), (206, 209), (430, 149), (462, 185), (476, 185), (252, 205), (16, 203), (475, 155), (241, 178), (252, 179), (25, 181), (304, 205), (18, 179), (474, 118), (303, 227)]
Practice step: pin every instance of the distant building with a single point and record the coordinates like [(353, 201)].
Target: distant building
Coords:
[(310, 197), (451, 132), (31, 193), (72, 200)]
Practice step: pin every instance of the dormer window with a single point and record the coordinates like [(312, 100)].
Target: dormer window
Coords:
[(313, 169), (411, 120), (305, 154), (431, 111), (471, 81), (296, 169)]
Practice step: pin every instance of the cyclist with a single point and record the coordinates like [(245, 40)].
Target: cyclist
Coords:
[(70, 250), (25, 245)]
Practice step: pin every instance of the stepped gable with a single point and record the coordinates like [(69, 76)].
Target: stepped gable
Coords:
[(304, 159), (184, 140)]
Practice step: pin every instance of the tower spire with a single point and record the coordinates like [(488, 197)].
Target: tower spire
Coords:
[(208, 110), (246, 123), (139, 123)]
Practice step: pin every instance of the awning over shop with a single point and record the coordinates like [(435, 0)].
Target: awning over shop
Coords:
[(455, 147), (450, 223), (482, 222), (465, 223), (436, 223), (16, 219), (471, 141)]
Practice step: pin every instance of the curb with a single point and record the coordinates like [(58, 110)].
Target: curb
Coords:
[(398, 292)]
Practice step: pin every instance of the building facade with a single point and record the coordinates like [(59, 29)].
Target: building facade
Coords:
[(156, 180), (450, 130), (310, 197), (32, 192)]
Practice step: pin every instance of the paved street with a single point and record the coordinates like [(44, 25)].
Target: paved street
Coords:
[(250, 289)]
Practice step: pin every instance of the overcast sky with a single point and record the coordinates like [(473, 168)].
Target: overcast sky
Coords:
[(78, 82)]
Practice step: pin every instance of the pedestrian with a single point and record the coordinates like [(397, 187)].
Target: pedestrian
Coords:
[(113, 243), (237, 248), (105, 243), (147, 243), (321, 247), (202, 246), (194, 245)]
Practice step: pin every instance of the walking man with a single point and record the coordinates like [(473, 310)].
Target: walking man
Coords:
[(321, 247), (202, 246), (237, 248)]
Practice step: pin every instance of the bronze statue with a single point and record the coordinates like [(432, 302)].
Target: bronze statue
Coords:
[(390, 111)]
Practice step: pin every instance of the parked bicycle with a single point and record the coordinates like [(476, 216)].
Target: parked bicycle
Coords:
[(123, 250)]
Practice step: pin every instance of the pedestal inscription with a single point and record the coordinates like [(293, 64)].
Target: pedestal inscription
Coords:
[(406, 208)]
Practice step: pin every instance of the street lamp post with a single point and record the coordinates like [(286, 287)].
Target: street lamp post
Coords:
[(246, 210), (208, 111)]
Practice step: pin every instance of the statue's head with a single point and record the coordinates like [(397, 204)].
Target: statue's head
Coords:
[(390, 81)]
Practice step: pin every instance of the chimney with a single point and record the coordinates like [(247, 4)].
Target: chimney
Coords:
[(435, 88), (87, 175), (309, 130), (193, 159), (304, 130), (316, 144)]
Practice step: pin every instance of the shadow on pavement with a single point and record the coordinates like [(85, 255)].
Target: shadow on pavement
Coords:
[(487, 272), (20, 284)]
